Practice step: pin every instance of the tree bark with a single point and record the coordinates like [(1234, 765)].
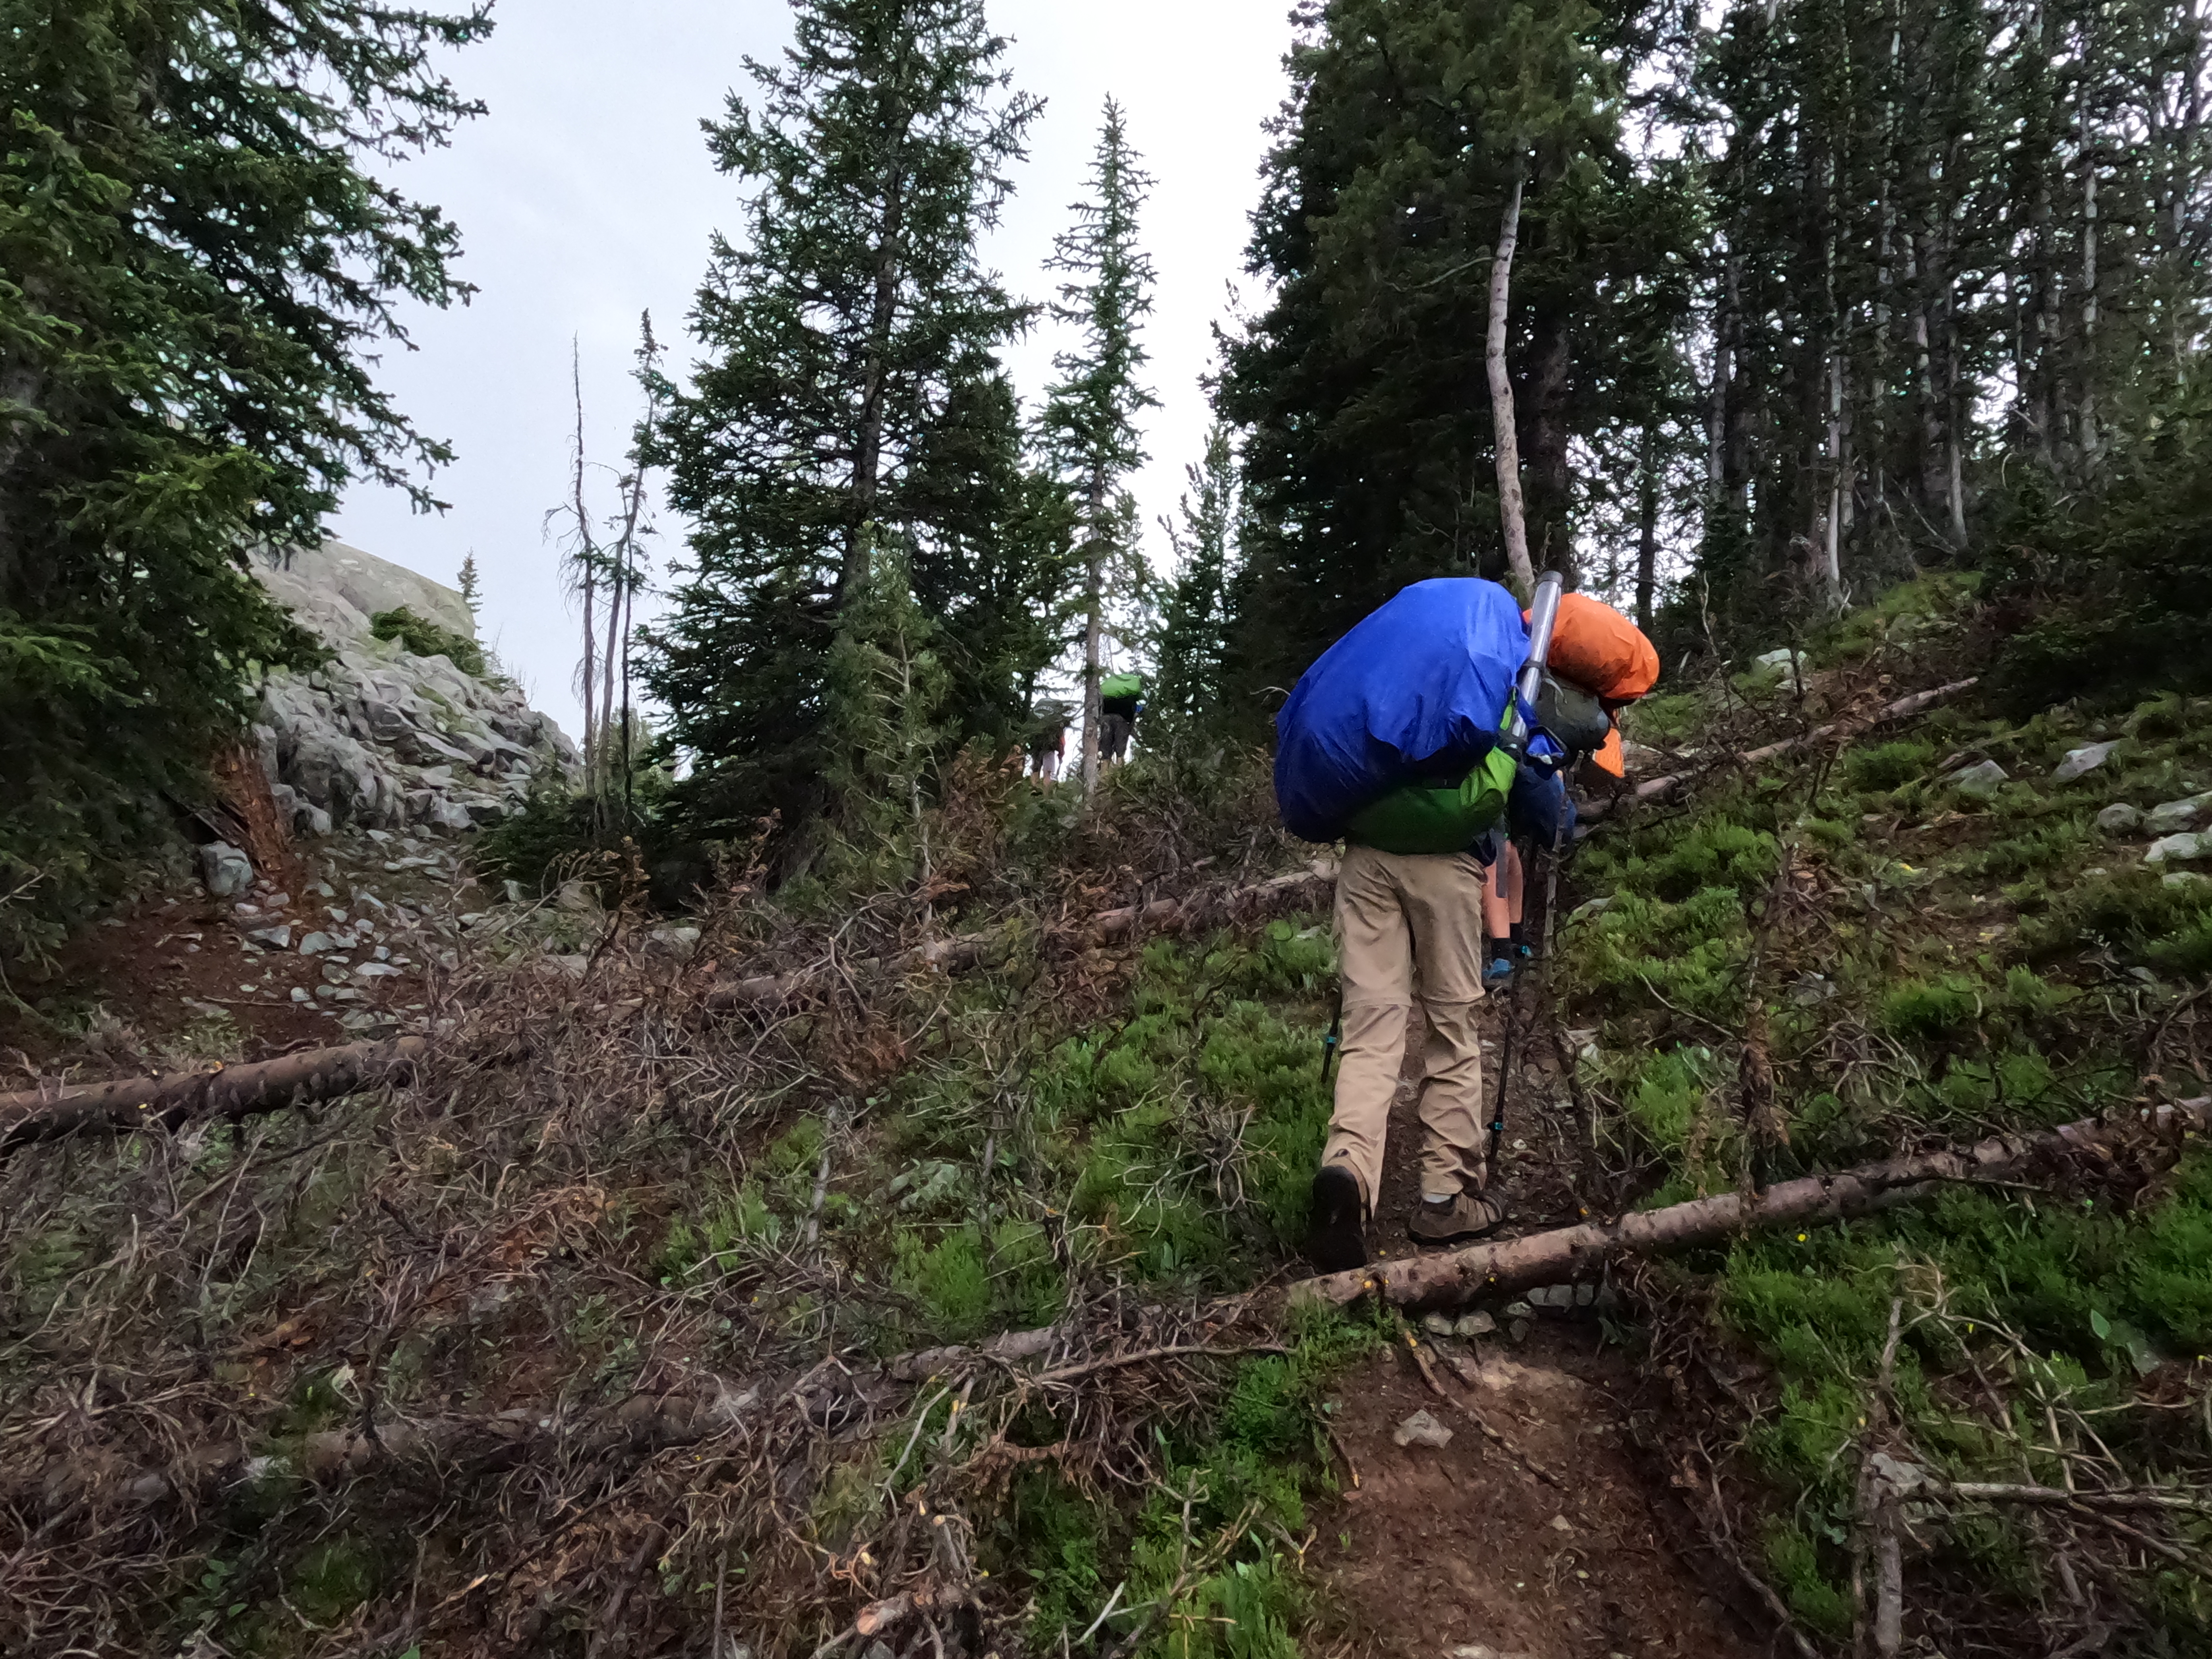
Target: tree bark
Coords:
[(1647, 525), (587, 563), (1094, 635), (1568, 1254), (234, 1093), (1551, 486), (1502, 418)]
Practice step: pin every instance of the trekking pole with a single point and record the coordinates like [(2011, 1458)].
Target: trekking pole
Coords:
[(1513, 732), (1333, 1041)]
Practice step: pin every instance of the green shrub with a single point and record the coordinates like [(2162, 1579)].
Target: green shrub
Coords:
[(951, 1282), (424, 638), (1794, 1559), (1932, 1011), (2134, 912), (1887, 766)]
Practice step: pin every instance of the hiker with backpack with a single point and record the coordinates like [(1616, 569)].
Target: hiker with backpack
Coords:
[(1121, 701), (1416, 739)]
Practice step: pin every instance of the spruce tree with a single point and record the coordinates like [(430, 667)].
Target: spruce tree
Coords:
[(1091, 413), (1186, 703), (1361, 392), (846, 325), (195, 267)]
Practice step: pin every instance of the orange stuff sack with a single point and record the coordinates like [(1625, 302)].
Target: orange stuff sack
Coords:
[(1600, 650)]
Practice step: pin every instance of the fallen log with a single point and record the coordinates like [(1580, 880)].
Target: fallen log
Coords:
[(1310, 887), (234, 1093), (1654, 789), (1564, 1254)]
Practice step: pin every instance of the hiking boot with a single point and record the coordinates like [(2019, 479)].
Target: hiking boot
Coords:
[(1336, 1224), (1456, 1220)]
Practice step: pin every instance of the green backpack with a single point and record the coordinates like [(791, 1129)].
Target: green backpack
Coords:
[(1420, 819)]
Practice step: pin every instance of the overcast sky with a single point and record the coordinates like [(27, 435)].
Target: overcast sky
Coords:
[(585, 198)]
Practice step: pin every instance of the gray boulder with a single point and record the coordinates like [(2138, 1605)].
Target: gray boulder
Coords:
[(2079, 763), (2119, 819), (224, 870), (2170, 817), (2179, 849), (1980, 782)]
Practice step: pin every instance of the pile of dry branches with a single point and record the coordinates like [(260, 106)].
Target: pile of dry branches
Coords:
[(416, 1366)]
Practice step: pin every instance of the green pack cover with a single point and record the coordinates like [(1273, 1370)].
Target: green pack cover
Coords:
[(1119, 687), (1418, 819)]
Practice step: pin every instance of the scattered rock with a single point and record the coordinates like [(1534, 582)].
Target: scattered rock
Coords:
[(1812, 989), (316, 945), (1439, 1324), (1787, 665), (1475, 1324), (2079, 762), (2120, 819), (2188, 878), (274, 939), (376, 970), (1560, 1523), (680, 944), (299, 993), (1980, 782), (2172, 816), (224, 870), (2179, 849), (1422, 1429), (1519, 1310), (1519, 1330)]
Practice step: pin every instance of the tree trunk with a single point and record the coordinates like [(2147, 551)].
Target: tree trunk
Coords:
[(868, 444), (1647, 525), (234, 1093), (1831, 568), (588, 558), (1502, 418), (1094, 635), (1568, 1254), (1550, 366), (2091, 444)]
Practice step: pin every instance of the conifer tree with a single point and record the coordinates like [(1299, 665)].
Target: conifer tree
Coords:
[(194, 266), (1187, 701), (1091, 416), (1362, 392), (839, 327)]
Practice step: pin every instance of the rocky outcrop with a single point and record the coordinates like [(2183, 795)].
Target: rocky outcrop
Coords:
[(382, 739)]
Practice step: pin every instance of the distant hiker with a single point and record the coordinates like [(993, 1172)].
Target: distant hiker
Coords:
[(1049, 741), (1392, 743), (1121, 701)]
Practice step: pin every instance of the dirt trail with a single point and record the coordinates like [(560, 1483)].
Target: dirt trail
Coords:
[(1465, 1546)]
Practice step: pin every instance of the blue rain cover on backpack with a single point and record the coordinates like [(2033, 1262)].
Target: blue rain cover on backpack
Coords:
[(1413, 693)]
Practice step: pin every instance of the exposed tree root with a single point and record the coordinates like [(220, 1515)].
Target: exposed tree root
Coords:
[(234, 1092), (1654, 789), (1567, 1253)]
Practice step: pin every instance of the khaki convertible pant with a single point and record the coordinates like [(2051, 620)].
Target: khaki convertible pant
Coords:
[(1410, 928)]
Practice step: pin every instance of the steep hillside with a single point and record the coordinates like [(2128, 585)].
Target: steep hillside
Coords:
[(898, 1272)]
